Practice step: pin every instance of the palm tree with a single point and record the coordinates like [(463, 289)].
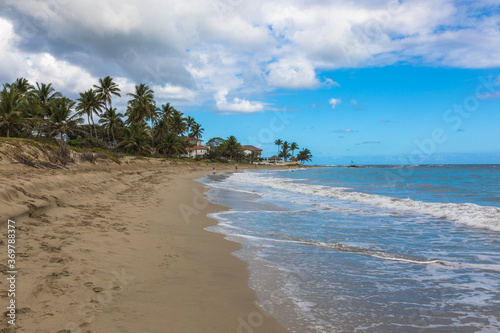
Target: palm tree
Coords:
[(304, 156), (33, 116), (171, 145), (285, 150), (137, 139), (89, 103), (62, 121), (294, 146), (196, 130), (110, 119), (178, 123), (105, 89), (166, 114), (278, 143), (189, 123), (22, 86), (45, 93), (142, 106), (231, 147), (10, 109)]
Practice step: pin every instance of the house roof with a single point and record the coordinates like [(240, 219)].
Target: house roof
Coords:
[(197, 147), (192, 139), (274, 157), (250, 147)]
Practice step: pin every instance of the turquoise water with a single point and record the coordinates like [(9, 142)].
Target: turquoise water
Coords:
[(369, 249)]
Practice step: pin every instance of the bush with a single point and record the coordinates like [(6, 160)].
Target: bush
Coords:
[(87, 142), (87, 156), (63, 155)]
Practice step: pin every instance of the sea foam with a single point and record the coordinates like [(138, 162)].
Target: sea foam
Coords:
[(464, 213)]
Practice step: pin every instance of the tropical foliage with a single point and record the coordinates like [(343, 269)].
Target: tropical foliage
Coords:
[(90, 121)]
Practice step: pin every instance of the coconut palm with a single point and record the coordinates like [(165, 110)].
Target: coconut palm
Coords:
[(62, 120), (285, 150), (293, 147), (178, 123), (105, 89), (171, 145), (231, 147), (22, 86), (110, 119), (89, 104), (10, 109), (137, 139), (45, 93), (33, 116), (196, 131), (189, 124), (142, 106), (166, 114), (304, 156), (278, 143)]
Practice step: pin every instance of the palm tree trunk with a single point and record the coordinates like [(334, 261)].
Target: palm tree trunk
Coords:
[(113, 133), (93, 125), (88, 120)]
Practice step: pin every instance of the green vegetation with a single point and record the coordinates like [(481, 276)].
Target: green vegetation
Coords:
[(41, 113)]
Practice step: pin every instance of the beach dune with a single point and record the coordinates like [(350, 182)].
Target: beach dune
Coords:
[(122, 248)]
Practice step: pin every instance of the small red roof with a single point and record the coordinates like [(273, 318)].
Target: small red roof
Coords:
[(192, 139), (197, 147)]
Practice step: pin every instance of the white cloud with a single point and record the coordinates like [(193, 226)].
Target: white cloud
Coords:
[(170, 92), (47, 69), (334, 102), (344, 131), (292, 73), (192, 50), (237, 105), (330, 83)]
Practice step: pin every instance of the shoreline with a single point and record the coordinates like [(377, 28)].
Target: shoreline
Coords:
[(123, 248)]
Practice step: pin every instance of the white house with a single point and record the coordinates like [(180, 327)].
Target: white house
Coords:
[(197, 151), (248, 149)]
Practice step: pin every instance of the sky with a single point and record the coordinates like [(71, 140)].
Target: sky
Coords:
[(354, 81)]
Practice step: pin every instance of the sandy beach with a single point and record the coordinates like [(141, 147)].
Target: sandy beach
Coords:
[(121, 248)]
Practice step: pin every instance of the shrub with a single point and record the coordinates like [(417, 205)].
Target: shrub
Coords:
[(87, 156)]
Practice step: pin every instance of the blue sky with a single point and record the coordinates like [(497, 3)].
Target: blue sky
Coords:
[(369, 81), (385, 114)]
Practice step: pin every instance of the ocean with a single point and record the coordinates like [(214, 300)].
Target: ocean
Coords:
[(369, 249)]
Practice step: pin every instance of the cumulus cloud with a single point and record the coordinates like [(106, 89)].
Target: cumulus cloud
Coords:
[(192, 50), (334, 102), (237, 105), (292, 73)]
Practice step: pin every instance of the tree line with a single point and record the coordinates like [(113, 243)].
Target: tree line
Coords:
[(286, 150), (39, 111), (29, 111)]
